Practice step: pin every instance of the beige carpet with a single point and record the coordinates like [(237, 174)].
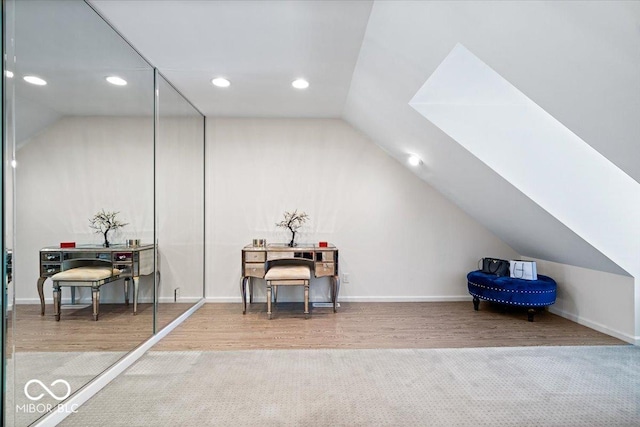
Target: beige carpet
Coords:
[(525, 386), (76, 368)]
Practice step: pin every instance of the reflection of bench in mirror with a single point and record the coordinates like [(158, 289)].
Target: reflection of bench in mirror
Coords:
[(130, 262), (93, 276)]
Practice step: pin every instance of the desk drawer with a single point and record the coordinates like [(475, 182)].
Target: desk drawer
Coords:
[(325, 269), (47, 270), (325, 256), (51, 256), (254, 256), (254, 270), (125, 269), (123, 257)]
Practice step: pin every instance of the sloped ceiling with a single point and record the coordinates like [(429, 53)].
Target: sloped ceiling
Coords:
[(553, 52), (578, 60)]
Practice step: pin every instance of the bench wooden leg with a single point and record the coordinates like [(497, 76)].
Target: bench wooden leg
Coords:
[(275, 294), (268, 300), (306, 298), (56, 301), (530, 313), (95, 299), (334, 292), (476, 303)]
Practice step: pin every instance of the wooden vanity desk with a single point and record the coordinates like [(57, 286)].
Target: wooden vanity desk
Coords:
[(254, 259)]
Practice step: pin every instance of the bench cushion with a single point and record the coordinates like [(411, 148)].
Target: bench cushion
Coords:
[(86, 274), (509, 290), (288, 272)]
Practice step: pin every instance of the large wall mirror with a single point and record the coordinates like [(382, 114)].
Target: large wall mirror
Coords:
[(179, 201), (91, 128)]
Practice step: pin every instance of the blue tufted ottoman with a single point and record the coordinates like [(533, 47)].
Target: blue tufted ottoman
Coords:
[(511, 291)]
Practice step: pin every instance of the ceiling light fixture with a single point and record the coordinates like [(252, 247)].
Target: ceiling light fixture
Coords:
[(300, 84), (34, 80), (9, 74), (221, 82), (414, 160), (115, 80)]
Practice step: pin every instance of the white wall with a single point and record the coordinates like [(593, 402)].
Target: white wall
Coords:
[(599, 300), (399, 239)]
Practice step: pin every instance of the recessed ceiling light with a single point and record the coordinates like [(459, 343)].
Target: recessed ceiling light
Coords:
[(34, 80), (9, 74), (221, 82), (414, 160), (300, 84), (115, 80)]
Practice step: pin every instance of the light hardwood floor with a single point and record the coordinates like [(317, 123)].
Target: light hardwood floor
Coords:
[(375, 325), (355, 325)]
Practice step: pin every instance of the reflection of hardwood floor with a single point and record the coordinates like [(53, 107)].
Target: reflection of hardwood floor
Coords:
[(116, 330), (374, 325)]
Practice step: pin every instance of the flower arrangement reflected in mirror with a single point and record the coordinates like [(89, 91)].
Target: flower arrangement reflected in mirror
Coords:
[(103, 222)]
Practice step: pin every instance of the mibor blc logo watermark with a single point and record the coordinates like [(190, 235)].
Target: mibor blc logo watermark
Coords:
[(35, 390)]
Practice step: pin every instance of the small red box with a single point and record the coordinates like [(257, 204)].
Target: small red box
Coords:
[(323, 244), (68, 244)]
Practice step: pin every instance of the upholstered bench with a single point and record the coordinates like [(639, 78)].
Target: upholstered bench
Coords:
[(93, 276), (531, 294), (297, 274)]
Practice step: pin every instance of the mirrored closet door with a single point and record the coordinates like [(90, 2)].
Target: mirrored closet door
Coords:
[(103, 171), (179, 202)]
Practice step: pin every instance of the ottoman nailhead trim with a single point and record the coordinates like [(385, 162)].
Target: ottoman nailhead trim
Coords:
[(518, 291), (511, 302)]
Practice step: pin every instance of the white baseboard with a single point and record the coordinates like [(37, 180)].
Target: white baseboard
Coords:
[(88, 391), (595, 325), (361, 299), (224, 299), (450, 298), (25, 301), (169, 300)]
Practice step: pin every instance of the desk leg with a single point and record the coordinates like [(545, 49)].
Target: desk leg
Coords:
[(268, 300), (40, 286), (95, 299), (56, 301), (73, 294), (306, 299), (335, 281), (243, 292), (136, 282), (126, 291), (250, 290)]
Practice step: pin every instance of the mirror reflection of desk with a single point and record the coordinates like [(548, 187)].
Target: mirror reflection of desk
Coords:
[(254, 258), (133, 262)]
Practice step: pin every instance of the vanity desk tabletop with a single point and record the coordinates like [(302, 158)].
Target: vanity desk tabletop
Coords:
[(323, 258)]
